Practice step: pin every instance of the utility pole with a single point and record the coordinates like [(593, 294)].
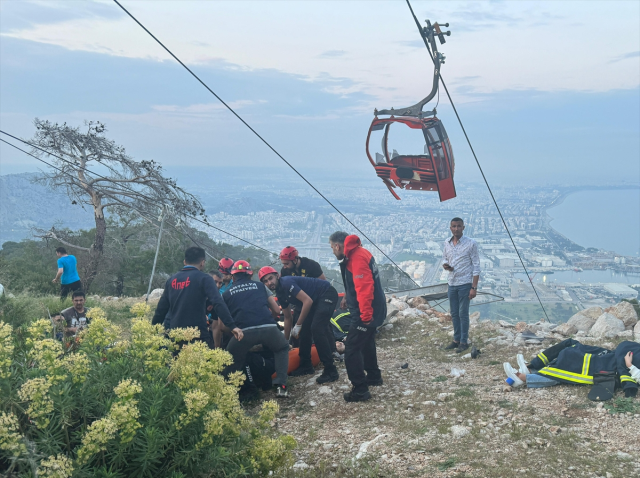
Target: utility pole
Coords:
[(155, 259)]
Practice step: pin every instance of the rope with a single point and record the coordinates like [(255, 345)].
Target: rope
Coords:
[(261, 138), (476, 159)]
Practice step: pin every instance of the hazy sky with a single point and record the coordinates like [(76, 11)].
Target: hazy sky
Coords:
[(549, 91)]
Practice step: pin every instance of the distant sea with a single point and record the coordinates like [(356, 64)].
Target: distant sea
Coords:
[(606, 219)]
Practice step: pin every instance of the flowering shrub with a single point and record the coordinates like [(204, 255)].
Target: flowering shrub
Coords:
[(110, 406)]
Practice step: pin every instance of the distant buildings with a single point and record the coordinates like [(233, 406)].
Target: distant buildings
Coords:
[(621, 291)]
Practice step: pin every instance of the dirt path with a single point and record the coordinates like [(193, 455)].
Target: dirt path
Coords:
[(422, 422)]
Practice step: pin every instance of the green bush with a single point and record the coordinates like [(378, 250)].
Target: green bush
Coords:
[(103, 405)]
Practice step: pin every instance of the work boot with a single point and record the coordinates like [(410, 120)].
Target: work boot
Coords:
[(303, 370), (452, 345), (282, 391), (354, 396), (329, 374), (461, 348), (374, 382)]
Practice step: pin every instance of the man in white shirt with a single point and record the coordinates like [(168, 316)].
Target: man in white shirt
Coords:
[(462, 261)]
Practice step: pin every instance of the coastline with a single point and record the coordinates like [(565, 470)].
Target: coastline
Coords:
[(564, 194)]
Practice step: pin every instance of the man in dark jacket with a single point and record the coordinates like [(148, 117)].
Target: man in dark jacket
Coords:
[(317, 300), (368, 306), (253, 309), (184, 300)]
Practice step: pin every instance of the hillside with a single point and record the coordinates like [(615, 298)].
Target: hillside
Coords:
[(25, 205)]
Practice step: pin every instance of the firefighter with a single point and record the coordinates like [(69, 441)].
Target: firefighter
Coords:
[(316, 299), (367, 305)]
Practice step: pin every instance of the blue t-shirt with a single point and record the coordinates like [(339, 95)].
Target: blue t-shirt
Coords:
[(247, 301), (225, 288), (289, 287), (69, 269)]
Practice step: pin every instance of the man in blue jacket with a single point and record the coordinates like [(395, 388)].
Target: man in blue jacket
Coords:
[(317, 300), (254, 310), (184, 300)]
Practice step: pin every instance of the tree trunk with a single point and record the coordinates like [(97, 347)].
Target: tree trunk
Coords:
[(97, 249)]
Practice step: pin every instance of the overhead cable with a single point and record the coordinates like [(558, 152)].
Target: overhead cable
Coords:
[(261, 138), (426, 42)]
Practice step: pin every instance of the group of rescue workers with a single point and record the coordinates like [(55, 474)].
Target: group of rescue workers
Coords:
[(242, 315)]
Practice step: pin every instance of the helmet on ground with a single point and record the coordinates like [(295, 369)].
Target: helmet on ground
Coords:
[(225, 265), (242, 266), (265, 271), (289, 253)]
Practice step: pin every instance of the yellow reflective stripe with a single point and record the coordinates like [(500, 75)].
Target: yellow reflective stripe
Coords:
[(544, 358), (626, 378), (585, 364), (334, 321), (570, 376)]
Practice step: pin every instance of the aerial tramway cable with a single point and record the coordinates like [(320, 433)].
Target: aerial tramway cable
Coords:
[(426, 43), (122, 186), (262, 139)]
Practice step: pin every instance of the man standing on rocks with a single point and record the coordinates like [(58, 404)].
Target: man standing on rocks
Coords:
[(462, 261), (368, 306)]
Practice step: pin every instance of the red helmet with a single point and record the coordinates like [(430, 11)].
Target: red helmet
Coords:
[(265, 271), (242, 266), (289, 253), (225, 265)]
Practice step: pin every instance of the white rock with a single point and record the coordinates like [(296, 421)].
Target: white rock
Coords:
[(636, 332), (325, 390), (408, 392), (504, 323), (607, 325), (429, 402), (444, 397), (397, 304), (420, 417), (459, 431), (626, 313), (312, 403), (365, 446), (625, 334), (592, 312), (156, 294), (582, 322), (565, 329), (301, 465)]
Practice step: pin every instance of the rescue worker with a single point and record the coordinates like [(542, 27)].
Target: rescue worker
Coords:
[(184, 300), (224, 269), (368, 307), (572, 362), (317, 300), (294, 265), (253, 310)]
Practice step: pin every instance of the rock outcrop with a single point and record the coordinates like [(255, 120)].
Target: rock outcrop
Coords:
[(607, 325)]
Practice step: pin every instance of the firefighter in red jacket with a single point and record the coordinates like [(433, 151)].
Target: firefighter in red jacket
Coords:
[(367, 304)]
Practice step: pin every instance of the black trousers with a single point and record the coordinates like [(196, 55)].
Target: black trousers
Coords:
[(66, 288), (314, 329), (360, 356)]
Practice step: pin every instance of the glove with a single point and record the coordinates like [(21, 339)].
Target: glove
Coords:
[(295, 332), (630, 392)]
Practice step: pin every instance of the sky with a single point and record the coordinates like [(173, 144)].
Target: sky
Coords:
[(549, 92)]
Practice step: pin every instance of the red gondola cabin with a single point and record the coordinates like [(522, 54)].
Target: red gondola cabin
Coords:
[(431, 171)]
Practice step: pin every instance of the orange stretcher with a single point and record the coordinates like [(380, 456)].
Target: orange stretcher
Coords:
[(294, 359)]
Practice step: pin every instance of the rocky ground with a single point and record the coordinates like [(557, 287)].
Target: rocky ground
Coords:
[(425, 421)]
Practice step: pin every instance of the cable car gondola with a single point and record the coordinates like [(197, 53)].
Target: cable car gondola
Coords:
[(433, 169)]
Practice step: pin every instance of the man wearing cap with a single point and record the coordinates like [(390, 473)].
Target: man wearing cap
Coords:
[(316, 299), (184, 300), (253, 309)]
